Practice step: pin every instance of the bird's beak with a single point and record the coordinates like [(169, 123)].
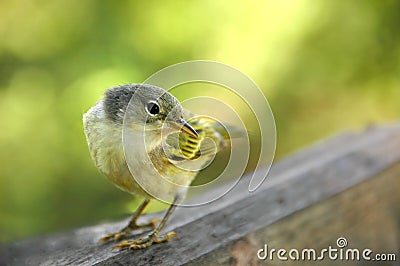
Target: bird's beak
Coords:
[(188, 128)]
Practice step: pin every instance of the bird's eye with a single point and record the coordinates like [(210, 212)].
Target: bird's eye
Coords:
[(152, 108)]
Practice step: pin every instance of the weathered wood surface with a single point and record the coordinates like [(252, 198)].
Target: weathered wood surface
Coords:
[(294, 203), (367, 216)]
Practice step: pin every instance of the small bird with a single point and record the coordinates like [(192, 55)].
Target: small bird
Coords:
[(103, 127)]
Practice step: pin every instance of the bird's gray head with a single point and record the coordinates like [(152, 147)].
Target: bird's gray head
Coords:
[(147, 104)]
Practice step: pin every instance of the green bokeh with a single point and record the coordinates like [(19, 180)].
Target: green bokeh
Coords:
[(325, 66)]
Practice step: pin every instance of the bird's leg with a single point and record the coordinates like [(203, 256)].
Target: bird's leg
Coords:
[(153, 237), (132, 224)]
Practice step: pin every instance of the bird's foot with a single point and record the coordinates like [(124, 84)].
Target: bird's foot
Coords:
[(127, 230), (145, 242)]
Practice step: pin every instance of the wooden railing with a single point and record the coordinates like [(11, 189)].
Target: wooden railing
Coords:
[(347, 186)]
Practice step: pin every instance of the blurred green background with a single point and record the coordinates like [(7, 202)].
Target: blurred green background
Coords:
[(325, 66)]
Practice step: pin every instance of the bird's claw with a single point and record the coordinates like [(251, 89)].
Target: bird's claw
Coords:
[(145, 242), (115, 236), (124, 232)]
